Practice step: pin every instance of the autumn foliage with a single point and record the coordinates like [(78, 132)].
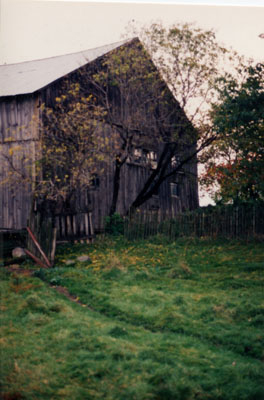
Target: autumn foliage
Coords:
[(237, 167)]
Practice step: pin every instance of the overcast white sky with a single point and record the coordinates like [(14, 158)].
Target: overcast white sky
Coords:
[(37, 29)]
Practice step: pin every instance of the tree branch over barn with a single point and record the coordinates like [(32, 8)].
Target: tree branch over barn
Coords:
[(162, 105), (141, 110)]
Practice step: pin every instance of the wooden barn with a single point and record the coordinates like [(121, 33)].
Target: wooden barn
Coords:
[(24, 87)]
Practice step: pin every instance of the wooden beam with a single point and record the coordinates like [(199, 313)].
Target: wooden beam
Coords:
[(36, 259), (38, 247)]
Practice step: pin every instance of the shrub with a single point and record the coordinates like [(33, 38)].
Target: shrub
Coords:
[(114, 225)]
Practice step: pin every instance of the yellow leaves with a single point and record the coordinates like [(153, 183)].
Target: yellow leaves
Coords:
[(72, 147), (14, 149)]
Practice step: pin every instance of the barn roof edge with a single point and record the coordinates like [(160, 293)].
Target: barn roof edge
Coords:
[(30, 76)]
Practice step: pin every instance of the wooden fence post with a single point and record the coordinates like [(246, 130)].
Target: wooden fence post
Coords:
[(1, 248)]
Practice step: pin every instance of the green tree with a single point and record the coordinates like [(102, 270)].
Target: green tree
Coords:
[(238, 168)]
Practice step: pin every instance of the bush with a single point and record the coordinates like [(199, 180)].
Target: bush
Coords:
[(114, 224)]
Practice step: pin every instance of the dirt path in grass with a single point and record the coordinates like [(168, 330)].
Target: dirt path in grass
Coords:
[(62, 290), (75, 299), (65, 292)]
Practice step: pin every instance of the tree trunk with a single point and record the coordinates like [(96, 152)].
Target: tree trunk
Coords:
[(116, 186), (163, 172), (155, 179)]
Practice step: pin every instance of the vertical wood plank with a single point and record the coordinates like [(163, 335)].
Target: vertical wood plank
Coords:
[(86, 222)]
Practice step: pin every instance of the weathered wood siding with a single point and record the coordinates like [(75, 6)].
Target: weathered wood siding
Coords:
[(19, 140), (19, 135)]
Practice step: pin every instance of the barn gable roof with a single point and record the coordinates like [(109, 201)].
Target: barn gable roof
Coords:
[(30, 76)]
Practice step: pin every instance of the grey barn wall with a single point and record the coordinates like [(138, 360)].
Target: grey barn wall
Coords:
[(19, 131), (19, 141)]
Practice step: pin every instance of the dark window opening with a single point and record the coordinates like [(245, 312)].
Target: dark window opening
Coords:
[(95, 183)]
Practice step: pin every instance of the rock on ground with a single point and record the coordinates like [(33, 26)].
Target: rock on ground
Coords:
[(69, 262), (18, 252), (84, 258)]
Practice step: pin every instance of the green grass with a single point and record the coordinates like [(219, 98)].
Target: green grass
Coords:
[(156, 320)]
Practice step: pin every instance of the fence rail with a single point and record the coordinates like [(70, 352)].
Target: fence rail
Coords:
[(231, 222)]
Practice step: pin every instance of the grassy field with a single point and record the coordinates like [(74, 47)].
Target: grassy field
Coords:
[(150, 320)]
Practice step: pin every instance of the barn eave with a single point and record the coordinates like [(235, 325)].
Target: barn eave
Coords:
[(31, 76)]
